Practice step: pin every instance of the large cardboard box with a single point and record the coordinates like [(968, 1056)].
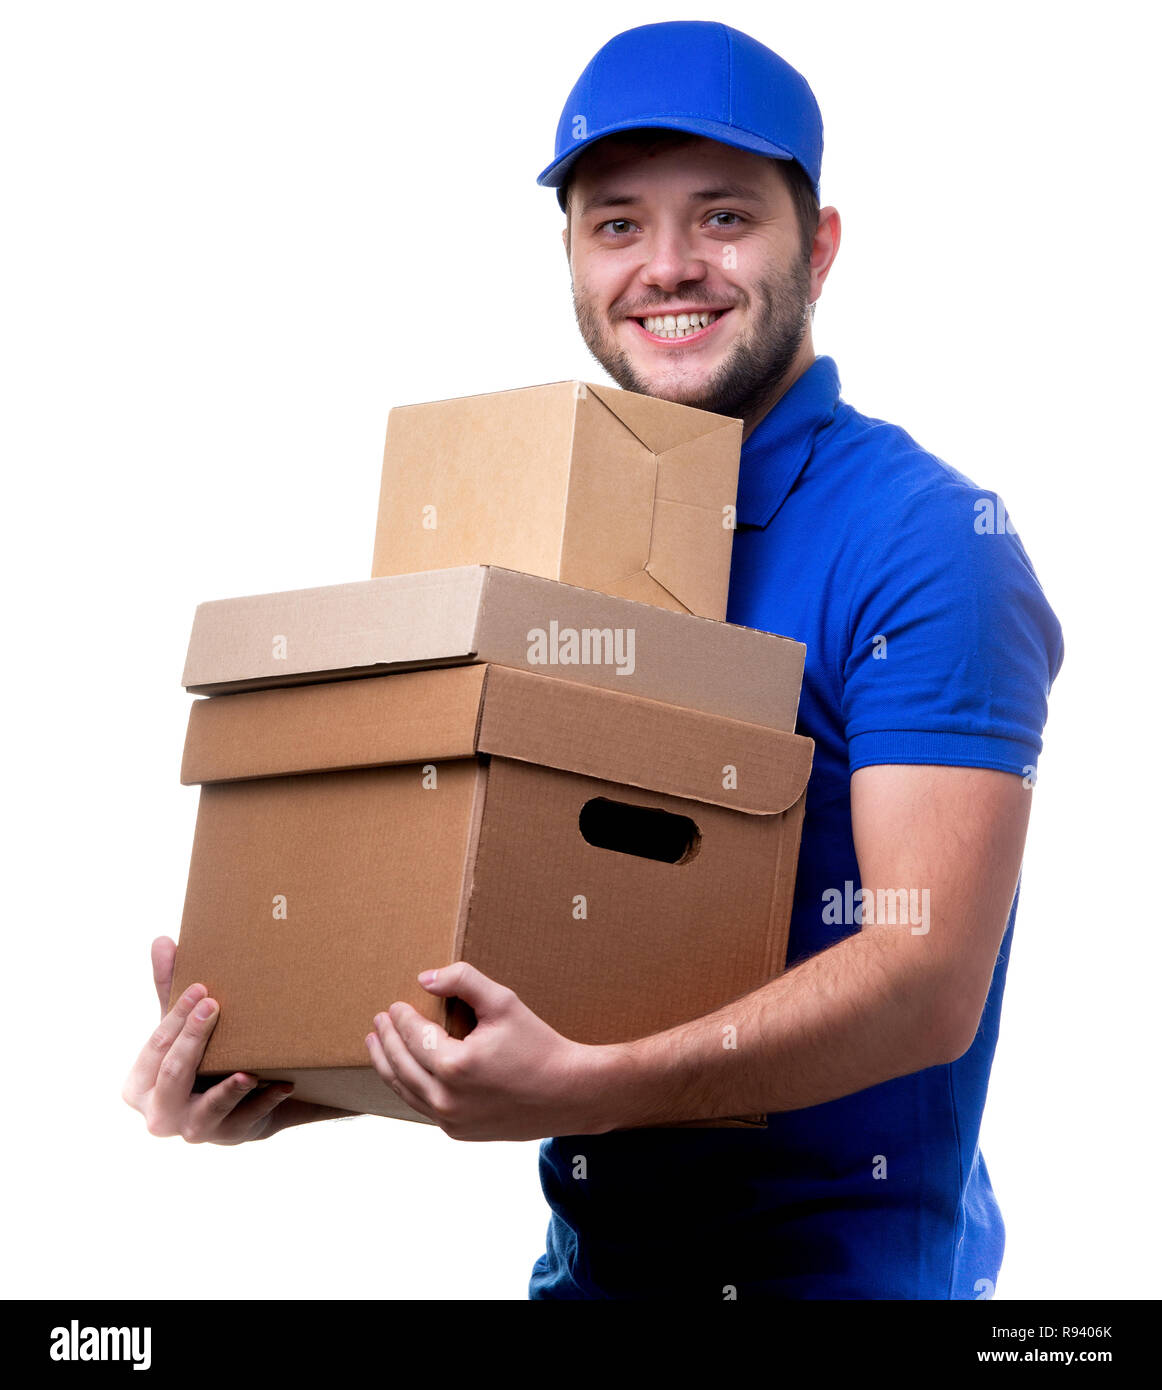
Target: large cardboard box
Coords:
[(480, 613), (569, 841), (605, 489)]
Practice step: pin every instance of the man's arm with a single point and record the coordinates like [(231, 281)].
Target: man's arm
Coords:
[(880, 1004)]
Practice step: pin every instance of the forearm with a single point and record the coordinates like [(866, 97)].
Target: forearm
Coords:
[(854, 1015)]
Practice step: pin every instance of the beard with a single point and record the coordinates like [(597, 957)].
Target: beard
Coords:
[(753, 369)]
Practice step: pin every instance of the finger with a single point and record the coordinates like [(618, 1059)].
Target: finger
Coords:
[(144, 1072), (400, 1050), (232, 1109), (484, 995), (175, 1076), (381, 1064), (163, 953), (423, 1039)]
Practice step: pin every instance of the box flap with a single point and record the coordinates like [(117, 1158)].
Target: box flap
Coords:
[(642, 743), (695, 479), (696, 486), (612, 485), (660, 425), (413, 716)]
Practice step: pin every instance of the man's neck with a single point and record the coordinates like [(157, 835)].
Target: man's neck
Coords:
[(803, 359)]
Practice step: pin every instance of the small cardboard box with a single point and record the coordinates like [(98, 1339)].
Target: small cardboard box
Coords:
[(570, 842), (601, 488), (481, 613)]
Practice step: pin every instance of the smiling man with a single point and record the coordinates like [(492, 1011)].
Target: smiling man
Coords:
[(720, 320), (688, 163)]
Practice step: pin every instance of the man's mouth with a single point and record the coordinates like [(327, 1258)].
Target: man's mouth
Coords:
[(683, 326)]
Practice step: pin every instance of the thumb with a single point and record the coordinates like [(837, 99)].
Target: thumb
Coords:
[(484, 995), (162, 953)]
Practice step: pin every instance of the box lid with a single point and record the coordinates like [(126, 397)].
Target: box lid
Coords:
[(335, 631), (485, 613), (457, 712)]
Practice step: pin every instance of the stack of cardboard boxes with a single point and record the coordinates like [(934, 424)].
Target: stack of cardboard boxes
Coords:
[(529, 741)]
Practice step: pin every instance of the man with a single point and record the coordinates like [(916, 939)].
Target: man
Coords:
[(930, 652), (687, 163)]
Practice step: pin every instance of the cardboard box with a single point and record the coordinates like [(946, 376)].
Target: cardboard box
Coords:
[(351, 834), (605, 489), (487, 614)]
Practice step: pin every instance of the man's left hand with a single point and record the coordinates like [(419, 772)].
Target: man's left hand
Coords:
[(512, 1077)]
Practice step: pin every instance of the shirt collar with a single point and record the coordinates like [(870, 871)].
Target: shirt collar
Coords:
[(777, 451)]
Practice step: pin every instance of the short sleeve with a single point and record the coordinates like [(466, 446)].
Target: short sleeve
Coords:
[(953, 646)]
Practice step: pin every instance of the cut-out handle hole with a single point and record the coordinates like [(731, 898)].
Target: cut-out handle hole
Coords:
[(641, 830)]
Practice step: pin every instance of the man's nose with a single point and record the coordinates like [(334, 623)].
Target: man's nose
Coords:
[(671, 259)]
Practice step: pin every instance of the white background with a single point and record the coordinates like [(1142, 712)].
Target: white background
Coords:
[(234, 236)]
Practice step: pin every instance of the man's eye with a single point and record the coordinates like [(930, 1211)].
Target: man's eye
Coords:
[(616, 223), (726, 214)]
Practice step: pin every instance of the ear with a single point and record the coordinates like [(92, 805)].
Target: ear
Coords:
[(824, 249)]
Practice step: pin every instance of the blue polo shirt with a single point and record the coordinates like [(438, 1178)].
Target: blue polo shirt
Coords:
[(929, 640)]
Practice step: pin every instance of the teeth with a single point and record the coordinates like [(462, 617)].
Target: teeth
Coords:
[(680, 326)]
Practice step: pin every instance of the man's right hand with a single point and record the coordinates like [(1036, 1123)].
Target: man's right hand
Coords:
[(161, 1084)]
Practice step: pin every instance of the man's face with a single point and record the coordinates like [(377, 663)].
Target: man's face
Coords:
[(697, 228)]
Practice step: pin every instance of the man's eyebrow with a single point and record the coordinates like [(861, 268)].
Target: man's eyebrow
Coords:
[(700, 195)]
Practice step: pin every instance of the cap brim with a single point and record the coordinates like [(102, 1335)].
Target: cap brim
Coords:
[(554, 175)]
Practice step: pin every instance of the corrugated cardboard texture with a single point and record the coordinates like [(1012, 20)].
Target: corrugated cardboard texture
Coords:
[(359, 859), (687, 461), (494, 467), (605, 489), (658, 943), (339, 629), (480, 613), (451, 713), (315, 897), (415, 716), (642, 743)]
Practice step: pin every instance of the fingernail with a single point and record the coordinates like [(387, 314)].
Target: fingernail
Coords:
[(204, 1009), (192, 995)]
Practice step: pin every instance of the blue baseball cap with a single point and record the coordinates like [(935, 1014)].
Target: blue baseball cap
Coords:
[(693, 75)]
